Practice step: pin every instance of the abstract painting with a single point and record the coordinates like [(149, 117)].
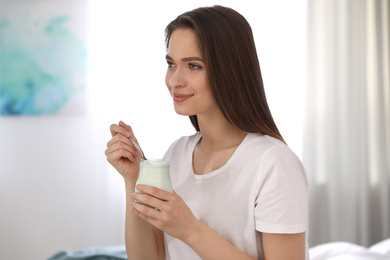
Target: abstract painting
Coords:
[(42, 57)]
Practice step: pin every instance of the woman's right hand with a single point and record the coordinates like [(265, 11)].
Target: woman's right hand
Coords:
[(121, 153)]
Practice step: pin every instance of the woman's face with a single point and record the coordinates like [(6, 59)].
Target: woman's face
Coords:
[(186, 76)]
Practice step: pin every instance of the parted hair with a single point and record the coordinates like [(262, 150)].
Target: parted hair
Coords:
[(225, 40)]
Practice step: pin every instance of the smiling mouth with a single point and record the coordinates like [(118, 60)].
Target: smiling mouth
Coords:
[(181, 97)]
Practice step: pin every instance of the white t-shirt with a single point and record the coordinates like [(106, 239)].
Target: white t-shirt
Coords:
[(261, 188)]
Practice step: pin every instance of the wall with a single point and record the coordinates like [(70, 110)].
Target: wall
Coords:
[(53, 191)]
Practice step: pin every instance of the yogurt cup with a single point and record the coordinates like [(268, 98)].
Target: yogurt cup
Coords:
[(155, 173)]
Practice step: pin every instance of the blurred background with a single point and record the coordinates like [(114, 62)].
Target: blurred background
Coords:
[(69, 69)]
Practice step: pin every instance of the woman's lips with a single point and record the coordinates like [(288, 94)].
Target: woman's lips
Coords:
[(181, 97)]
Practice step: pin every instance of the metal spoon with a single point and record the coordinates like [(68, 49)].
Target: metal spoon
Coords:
[(139, 148)]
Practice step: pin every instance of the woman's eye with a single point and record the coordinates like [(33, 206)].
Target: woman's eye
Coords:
[(170, 64), (192, 66)]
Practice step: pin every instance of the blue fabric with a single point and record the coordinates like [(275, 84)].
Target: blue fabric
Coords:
[(102, 253)]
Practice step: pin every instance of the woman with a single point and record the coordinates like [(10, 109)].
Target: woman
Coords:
[(239, 191)]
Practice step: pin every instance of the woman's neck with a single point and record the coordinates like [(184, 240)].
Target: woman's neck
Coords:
[(219, 141), (218, 133)]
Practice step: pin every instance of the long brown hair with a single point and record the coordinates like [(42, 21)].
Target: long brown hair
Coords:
[(226, 43)]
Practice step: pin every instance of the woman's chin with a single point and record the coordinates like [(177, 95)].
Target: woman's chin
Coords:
[(182, 112)]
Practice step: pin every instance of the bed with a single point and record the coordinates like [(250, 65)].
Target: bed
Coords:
[(349, 251), (328, 251)]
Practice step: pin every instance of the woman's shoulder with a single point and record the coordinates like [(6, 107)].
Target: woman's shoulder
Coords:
[(183, 144), (264, 142), (276, 158), (268, 147), (186, 140)]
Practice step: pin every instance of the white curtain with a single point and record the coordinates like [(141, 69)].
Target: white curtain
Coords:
[(347, 133)]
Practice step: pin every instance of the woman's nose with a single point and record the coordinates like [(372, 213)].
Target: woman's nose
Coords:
[(177, 79)]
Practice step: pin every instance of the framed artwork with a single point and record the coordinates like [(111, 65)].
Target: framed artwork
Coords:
[(43, 57)]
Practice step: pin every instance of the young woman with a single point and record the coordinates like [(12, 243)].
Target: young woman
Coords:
[(239, 191)]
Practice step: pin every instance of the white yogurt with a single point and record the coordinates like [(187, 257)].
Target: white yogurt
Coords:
[(155, 172)]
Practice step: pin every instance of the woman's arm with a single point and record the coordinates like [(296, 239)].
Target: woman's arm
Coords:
[(176, 219), (142, 240), (284, 246), (209, 245)]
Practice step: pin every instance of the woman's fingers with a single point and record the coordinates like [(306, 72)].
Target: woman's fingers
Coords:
[(120, 136), (149, 208), (156, 199), (148, 199), (147, 213), (129, 131), (155, 192), (173, 215), (120, 142), (118, 129), (120, 150), (123, 129)]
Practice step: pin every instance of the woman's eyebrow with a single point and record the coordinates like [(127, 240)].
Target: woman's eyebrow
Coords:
[(185, 59), (167, 57)]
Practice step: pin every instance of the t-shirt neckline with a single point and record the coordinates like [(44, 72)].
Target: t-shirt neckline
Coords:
[(219, 170)]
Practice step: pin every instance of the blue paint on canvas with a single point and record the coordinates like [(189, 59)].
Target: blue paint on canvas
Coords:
[(42, 65)]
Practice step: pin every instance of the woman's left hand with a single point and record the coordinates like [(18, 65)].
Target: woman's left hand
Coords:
[(173, 216)]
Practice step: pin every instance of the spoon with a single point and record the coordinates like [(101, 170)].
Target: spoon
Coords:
[(139, 148)]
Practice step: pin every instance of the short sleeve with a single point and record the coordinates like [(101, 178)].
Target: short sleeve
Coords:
[(281, 205)]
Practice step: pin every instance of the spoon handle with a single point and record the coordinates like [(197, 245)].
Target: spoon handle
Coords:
[(139, 148)]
